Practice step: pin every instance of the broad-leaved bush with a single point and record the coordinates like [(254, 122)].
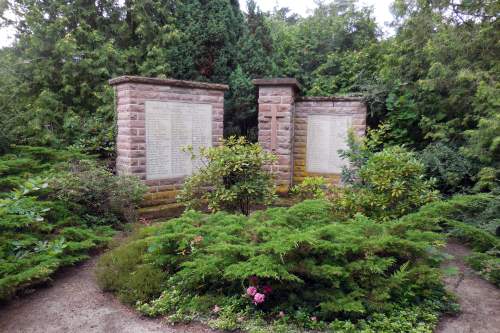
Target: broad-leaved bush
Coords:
[(451, 169), (95, 191), (311, 188), (387, 185), (233, 176)]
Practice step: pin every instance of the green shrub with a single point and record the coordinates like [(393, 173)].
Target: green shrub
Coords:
[(388, 185), (24, 162), (487, 264), (484, 145), (124, 271), (360, 149), (478, 211), (97, 192), (451, 169), (472, 219), (56, 206), (311, 188), (488, 179), (232, 177), (38, 236), (312, 264), (419, 319)]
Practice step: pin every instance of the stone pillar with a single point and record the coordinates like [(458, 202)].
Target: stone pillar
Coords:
[(276, 114)]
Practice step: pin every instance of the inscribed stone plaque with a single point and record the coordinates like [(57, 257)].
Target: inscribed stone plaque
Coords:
[(170, 126), (326, 135)]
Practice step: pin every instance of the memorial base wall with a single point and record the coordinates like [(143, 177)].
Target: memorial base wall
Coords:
[(352, 107)]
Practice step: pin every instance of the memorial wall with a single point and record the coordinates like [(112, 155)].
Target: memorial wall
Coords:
[(305, 133), (156, 118), (321, 128)]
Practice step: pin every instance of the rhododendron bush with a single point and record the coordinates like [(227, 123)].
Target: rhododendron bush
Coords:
[(275, 262)]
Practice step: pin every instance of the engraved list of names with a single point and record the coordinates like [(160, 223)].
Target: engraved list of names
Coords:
[(170, 126), (326, 135)]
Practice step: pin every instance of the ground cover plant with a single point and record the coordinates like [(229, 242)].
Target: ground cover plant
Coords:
[(474, 220), (389, 184), (53, 213), (284, 265)]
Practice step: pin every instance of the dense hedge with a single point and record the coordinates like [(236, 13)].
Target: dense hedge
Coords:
[(299, 260)]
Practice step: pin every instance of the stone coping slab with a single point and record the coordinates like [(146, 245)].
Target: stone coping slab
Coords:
[(167, 82), (284, 81)]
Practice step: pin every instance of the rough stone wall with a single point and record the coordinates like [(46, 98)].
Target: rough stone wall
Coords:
[(276, 108), (349, 106), (131, 94)]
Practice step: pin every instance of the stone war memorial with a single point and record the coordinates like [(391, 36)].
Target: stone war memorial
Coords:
[(158, 117), (305, 132)]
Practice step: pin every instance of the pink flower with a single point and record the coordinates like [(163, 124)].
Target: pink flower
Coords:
[(314, 318), (267, 289), (281, 314), (216, 309), (259, 298), (251, 291)]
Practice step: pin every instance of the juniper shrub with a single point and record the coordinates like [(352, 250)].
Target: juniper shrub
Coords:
[(282, 259)]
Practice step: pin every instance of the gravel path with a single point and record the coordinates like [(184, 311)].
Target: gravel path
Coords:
[(74, 304), (479, 300)]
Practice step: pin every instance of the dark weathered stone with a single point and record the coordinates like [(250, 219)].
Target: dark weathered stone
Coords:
[(167, 82)]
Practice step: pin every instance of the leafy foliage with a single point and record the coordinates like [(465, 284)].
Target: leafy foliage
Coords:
[(310, 263), (44, 227), (232, 177), (310, 188), (39, 236), (419, 83), (473, 219), (86, 184), (387, 185), (126, 272), (484, 144), (452, 170)]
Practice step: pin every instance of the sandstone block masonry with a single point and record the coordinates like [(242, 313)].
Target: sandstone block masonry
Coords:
[(276, 112), (351, 107), (132, 93), (283, 129)]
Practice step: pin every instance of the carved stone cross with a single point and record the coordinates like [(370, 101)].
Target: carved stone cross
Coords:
[(274, 125)]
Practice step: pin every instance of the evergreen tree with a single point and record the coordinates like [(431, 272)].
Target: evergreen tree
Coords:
[(64, 54), (254, 59), (208, 35)]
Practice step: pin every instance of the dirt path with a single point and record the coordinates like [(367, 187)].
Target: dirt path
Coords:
[(75, 304), (479, 300)]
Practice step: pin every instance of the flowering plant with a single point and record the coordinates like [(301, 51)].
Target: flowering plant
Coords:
[(253, 291)]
